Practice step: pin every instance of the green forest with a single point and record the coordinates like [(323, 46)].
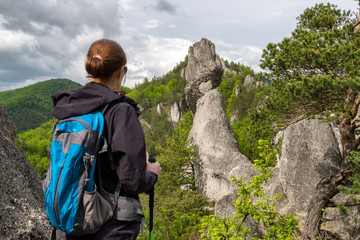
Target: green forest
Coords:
[(31, 106), (314, 73)]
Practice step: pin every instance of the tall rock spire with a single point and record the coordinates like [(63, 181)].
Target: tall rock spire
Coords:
[(203, 72)]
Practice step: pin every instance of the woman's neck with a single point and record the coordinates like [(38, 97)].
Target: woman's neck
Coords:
[(110, 84)]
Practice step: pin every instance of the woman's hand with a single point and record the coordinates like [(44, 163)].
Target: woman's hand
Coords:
[(153, 167)]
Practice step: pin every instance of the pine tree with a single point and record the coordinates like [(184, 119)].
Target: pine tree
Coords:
[(317, 68)]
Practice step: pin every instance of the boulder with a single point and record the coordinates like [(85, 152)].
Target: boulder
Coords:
[(219, 155), (22, 212), (202, 73), (311, 151)]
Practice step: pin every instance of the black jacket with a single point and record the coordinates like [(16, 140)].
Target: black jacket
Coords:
[(122, 131)]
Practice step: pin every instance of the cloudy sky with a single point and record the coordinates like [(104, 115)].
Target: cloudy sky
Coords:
[(44, 39)]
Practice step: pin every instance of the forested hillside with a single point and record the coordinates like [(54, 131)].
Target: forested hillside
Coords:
[(31, 106)]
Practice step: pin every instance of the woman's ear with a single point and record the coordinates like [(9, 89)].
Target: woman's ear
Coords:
[(119, 73)]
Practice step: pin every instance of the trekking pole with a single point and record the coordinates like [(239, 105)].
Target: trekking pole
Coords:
[(151, 206)]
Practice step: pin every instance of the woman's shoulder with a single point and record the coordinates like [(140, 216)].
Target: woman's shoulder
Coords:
[(126, 103)]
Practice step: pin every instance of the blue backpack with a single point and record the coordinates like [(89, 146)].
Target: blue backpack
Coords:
[(72, 199)]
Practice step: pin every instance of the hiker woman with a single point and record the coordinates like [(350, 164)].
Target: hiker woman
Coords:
[(106, 67)]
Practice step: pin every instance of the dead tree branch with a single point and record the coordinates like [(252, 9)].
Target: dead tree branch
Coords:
[(325, 191)]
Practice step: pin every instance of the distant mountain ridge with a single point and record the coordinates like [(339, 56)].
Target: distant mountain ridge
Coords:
[(31, 106)]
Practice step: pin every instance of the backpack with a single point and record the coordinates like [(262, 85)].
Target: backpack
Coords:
[(72, 199)]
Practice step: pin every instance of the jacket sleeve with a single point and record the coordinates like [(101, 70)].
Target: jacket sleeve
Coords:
[(128, 144)]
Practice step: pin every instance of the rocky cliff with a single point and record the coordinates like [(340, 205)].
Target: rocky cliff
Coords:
[(22, 213), (219, 154)]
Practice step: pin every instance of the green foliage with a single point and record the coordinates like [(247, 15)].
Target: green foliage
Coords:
[(31, 106), (156, 129), (167, 89), (241, 100), (125, 89), (311, 71), (178, 153), (180, 206), (353, 159), (34, 144), (239, 68), (226, 88), (341, 207), (252, 203), (322, 43)]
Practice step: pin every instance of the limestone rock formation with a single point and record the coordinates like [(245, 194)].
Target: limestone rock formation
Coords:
[(176, 112), (226, 69), (219, 155), (249, 81), (311, 152), (159, 108), (22, 213), (203, 72)]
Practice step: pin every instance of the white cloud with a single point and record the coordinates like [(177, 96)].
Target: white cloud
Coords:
[(156, 57), (153, 23), (125, 4), (246, 55), (15, 41), (76, 70), (49, 38)]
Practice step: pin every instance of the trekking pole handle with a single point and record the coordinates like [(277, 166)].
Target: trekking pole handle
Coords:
[(152, 160)]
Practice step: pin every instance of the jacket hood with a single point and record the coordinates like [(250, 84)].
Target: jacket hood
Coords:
[(86, 99)]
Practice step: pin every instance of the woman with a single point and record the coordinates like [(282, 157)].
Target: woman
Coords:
[(105, 65)]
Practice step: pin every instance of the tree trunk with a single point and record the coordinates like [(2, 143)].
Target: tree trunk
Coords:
[(325, 191), (328, 188)]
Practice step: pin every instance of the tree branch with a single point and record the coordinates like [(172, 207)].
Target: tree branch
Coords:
[(325, 190), (348, 19), (346, 204), (355, 107)]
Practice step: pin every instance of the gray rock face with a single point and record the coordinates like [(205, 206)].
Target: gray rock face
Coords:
[(7, 126), (309, 154), (311, 151), (249, 81), (22, 213), (203, 72), (343, 225), (219, 154), (176, 112), (159, 108)]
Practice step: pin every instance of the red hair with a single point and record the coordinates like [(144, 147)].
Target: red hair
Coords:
[(104, 57)]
